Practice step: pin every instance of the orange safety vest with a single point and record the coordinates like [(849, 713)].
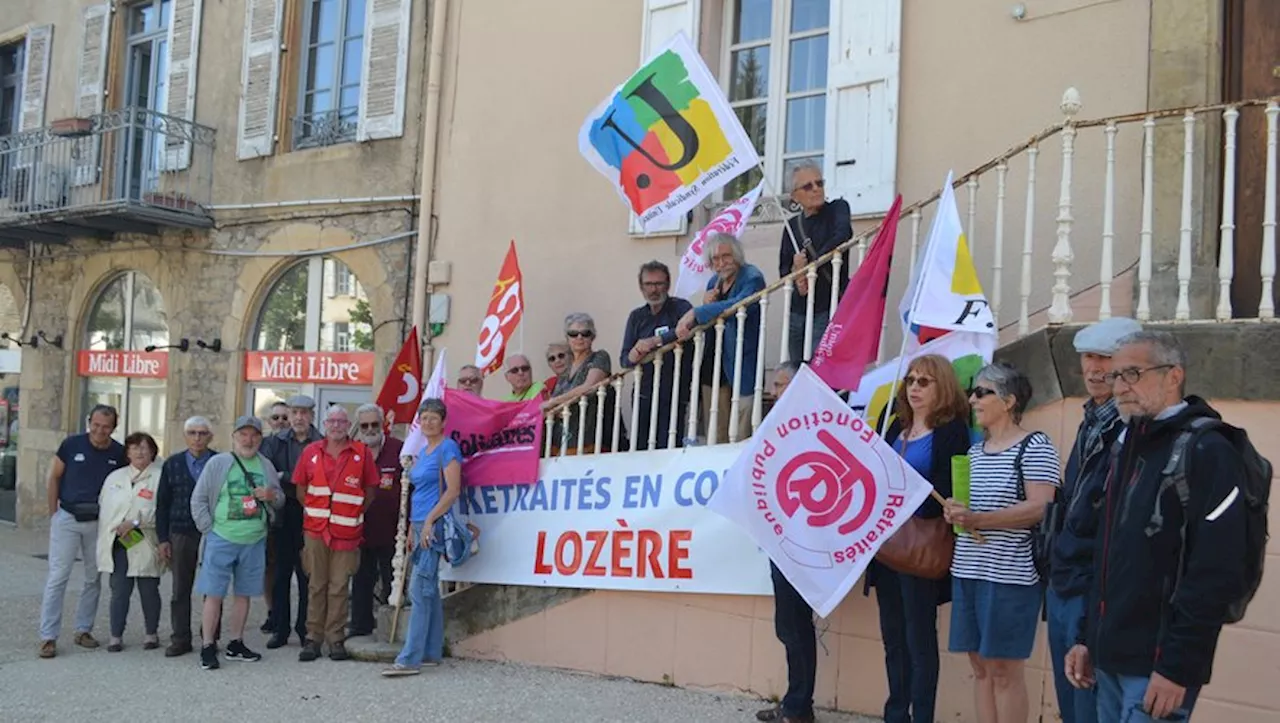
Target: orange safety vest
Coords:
[(337, 506)]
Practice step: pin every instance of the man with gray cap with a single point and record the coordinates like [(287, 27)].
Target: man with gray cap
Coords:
[(1073, 520), (284, 449), (231, 505)]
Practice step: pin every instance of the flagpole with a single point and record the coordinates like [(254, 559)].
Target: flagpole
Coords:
[(773, 195)]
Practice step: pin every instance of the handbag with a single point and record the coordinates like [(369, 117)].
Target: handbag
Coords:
[(922, 547), (461, 540)]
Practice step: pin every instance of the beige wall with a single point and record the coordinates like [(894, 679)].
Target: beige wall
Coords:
[(727, 643), (973, 83)]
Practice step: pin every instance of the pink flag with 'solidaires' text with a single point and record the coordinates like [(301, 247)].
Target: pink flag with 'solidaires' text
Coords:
[(852, 339), (500, 441)]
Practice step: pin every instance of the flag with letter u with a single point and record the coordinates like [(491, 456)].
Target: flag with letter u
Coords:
[(819, 491), (944, 293)]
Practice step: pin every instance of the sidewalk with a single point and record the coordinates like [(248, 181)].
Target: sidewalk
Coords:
[(280, 688)]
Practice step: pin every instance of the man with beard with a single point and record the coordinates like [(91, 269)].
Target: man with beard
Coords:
[(380, 521), (651, 325)]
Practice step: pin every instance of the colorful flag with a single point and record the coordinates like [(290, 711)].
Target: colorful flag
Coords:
[(819, 491), (434, 389), (944, 293), (852, 338), (694, 271), (402, 389), (506, 308), (968, 352), (667, 137), (500, 441)]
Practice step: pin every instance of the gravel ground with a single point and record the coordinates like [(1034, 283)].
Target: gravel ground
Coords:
[(144, 685)]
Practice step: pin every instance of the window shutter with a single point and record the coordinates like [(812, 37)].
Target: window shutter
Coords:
[(384, 70), (35, 77), (861, 157), (91, 75), (259, 76), (663, 19), (328, 276), (184, 48)]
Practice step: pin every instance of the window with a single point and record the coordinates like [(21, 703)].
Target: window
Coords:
[(329, 91), (315, 305), (146, 88), (341, 336), (10, 87), (776, 81), (128, 315)]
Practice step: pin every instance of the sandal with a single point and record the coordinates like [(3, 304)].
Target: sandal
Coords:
[(115, 646), (151, 642)]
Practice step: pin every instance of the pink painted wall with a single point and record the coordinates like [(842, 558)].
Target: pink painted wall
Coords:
[(722, 642)]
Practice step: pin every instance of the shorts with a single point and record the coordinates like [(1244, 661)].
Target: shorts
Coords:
[(995, 620), (222, 560)]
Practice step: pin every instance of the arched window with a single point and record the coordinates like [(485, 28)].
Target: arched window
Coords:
[(316, 305), (128, 315)]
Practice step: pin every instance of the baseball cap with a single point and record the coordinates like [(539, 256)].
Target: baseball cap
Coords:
[(248, 420), (1104, 337)]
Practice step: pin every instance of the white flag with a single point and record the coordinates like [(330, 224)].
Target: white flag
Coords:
[(944, 293), (819, 491), (968, 353), (694, 271), (415, 441)]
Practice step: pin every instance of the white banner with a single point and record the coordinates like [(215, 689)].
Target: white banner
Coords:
[(695, 273), (629, 521), (968, 352)]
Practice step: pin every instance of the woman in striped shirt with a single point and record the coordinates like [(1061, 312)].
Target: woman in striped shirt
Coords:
[(996, 591)]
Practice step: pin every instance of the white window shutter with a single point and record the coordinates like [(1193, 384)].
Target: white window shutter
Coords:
[(384, 70), (663, 20), (91, 74), (259, 76), (184, 50), (35, 77), (861, 159), (328, 278)]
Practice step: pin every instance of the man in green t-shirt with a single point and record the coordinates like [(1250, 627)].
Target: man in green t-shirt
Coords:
[(519, 373), (232, 505)]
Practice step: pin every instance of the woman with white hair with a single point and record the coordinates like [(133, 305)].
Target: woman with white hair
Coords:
[(587, 368)]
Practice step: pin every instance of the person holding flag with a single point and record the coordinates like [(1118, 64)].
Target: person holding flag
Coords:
[(818, 229)]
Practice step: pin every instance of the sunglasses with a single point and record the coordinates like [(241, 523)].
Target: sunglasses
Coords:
[(585, 334), (520, 370), (556, 357), (370, 426), (812, 185), (279, 417), (922, 382), (981, 392), (469, 380)]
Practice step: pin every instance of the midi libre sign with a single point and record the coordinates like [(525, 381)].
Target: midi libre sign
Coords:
[(352, 368), (113, 363)]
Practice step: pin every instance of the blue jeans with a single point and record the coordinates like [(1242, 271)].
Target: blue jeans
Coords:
[(1120, 700), (793, 624), (909, 628), (1077, 705), (424, 639)]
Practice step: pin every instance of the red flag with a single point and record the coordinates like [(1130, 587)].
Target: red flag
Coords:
[(506, 307), (852, 338), (402, 389)]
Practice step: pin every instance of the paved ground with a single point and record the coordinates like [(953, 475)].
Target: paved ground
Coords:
[(143, 685)]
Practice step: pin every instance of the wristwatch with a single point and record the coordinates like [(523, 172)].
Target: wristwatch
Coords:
[(137, 524)]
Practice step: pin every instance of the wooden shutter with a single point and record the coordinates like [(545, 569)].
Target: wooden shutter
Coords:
[(663, 19), (259, 76), (35, 77), (384, 69), (861, 159), (184, 49), (91, 75)]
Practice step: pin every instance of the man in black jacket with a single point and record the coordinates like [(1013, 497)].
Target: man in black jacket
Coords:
[(1071, 553), (179, 538), (1150, 632), (820, 226)]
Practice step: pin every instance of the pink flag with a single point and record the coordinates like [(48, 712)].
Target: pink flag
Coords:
[(852, 338), (500, 441)]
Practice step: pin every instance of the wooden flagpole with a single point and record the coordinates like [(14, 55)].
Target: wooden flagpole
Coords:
[(400, 561)]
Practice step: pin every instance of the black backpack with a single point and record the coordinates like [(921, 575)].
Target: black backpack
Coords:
[(1255, 487), (1042, 533)]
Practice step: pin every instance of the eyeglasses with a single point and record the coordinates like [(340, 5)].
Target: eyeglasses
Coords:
[(922, 382), (654, 284), (370, 426), (1132, 374), (520, 369), (574, 333), (198, 433), (338, 422), (812, 185), (556, 357), (981, 392), (469, 380)]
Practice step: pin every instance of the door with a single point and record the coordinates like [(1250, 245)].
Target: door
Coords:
[(146, 89), (1252, 71), (349, 397)]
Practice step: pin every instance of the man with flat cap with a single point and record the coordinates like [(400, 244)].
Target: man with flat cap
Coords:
[(1074, 522), (284, 449)]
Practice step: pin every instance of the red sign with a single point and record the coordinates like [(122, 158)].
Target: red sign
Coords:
[(315, 367), (506, 307), (138, 364)]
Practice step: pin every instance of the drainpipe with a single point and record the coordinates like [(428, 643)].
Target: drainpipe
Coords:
[(430, 145)]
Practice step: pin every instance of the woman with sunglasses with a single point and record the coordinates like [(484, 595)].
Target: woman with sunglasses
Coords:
[(931, 427), (996, 589), (558, 361), (587, 368)]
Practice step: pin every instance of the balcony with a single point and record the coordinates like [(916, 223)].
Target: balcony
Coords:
[(130, 170)]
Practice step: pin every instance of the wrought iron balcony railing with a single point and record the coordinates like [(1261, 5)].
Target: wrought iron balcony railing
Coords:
[(328, 128), (127, 169)]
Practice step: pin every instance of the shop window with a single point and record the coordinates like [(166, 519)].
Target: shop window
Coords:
[(309, 305), (127, 315)]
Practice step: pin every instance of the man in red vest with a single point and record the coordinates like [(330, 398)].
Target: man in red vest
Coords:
[(336, 479)]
